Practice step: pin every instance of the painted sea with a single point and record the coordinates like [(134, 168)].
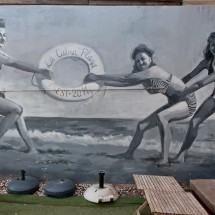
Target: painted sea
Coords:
[(79, 148)]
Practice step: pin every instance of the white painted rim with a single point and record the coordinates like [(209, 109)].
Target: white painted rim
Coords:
[(69, 50)]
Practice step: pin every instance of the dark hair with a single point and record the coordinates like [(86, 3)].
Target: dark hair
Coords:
[(2, 23), (142, 48), (207, 51)]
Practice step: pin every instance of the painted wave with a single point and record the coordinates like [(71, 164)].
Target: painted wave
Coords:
[(205, 146)]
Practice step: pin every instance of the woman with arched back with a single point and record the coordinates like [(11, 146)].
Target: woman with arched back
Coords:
[(154, 80), (207, 108)]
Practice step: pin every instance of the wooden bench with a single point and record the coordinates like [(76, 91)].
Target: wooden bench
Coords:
[(165, 196), (205, 190), (153, 182)]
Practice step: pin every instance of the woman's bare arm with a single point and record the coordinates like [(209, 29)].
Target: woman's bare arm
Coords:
[(118, 79), (199, 84), (11, 62), (117, 84), (196, 71)]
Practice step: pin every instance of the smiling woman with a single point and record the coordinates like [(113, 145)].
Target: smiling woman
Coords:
[(154, 80), (12, 112)]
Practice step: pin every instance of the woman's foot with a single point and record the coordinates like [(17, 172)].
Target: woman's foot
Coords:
[(178, 158), (30, 150), (162, 163)]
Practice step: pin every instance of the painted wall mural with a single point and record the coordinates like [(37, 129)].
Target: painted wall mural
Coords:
[(122, 89)]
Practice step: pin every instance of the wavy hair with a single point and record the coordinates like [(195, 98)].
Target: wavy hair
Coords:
[(207, 51), (142, 48)]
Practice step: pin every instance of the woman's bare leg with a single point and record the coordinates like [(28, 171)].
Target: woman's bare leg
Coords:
[(11, 112), (204, 111), (21, 127), (142, 127), (176, 112)]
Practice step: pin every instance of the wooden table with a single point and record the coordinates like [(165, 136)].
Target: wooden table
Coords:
[(153, 182), (165, 196), (205, 190), (180, 203)]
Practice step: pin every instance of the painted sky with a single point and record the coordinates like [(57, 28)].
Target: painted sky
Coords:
[(177, 34)]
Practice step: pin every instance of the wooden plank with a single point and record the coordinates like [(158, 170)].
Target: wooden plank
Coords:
[(188, 203), (166, 204), (29, 2), (198, 206), (65, 2), (94, 2), (111, 2), (146, 2), (143, 182), (149, 183), (183, 207), (153, 203), (136, 180), (167, 183), (175, 186), (139, 182), (164, 185), (199, 2), (157, 183), (18, 2), (173, 206), (205, 189)]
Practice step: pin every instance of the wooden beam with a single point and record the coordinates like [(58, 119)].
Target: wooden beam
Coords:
[(64, 2), (199, 2), (95, 2), (18, 2), (30, 2), (135, 2)]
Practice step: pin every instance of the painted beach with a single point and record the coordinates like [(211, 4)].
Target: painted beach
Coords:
[(79, 148)]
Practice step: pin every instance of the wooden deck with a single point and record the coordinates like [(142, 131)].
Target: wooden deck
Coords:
[(162, 183), (165, 202), (165, 196)]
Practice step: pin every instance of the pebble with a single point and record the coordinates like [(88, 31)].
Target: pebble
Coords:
[(122, 189)]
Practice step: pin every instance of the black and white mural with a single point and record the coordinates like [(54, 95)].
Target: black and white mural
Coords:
[(122, 89)]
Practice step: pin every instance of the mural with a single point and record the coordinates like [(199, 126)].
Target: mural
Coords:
[(111, 88)]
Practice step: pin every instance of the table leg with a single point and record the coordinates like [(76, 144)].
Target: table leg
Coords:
[(137, 212)]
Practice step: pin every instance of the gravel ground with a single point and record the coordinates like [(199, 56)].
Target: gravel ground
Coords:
[(123, 189)]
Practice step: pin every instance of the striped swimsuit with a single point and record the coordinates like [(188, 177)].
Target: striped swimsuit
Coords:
[(161, 86)]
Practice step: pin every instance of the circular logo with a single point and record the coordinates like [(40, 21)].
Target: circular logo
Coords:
[(69, 50)]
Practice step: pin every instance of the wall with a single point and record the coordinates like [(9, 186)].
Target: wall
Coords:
[(76, 139)]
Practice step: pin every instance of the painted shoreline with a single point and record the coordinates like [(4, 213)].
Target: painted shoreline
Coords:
[(68, 149)]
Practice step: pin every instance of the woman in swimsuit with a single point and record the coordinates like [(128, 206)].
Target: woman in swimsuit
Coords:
[(208, 106), (154, 80), (12, 112)]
